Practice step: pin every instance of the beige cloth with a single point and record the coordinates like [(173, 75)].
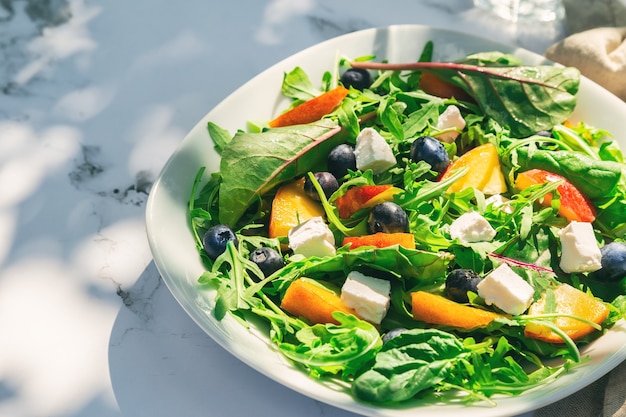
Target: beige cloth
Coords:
[(599, 54), (605, 397), (615, 394)]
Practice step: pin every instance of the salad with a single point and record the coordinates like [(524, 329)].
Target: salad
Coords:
[(420, 229)]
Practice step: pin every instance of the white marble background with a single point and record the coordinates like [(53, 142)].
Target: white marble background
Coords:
[(94, 97)]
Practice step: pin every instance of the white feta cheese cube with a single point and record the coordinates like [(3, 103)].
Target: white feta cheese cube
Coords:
[(497, 200), (450, 118), (367, 296), (312, 238), (579, 248), (506, 290), (373, 152), (472, 227)]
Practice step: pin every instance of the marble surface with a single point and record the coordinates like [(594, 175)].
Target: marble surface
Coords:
[(94, 97)]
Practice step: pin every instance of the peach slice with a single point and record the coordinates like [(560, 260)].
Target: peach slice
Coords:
[(572, 301), (312, 110), (311, 300), (381, 240), (574, 205), (484, 174), (290, 207), (364, 196), (436, 309)]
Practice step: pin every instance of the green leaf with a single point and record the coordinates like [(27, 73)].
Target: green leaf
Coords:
[(297, 85), (253, 163), (416, 266), (330, 348), (415, 360), (219, 135), (594, 178), (525, 99)]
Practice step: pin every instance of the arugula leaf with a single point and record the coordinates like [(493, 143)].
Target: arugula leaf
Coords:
[(219, 135), (253, 163), (229, 275), (330, 348), (297, 85)]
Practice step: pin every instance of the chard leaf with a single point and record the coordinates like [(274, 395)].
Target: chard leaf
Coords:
[(525, 99), (253, 163)]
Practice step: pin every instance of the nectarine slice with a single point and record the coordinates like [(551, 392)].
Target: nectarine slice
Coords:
[(311, 300), (572, 301), (574, 205), (436, 309), (381, 240), (435, 86), (484, 174), (290, 207), (312, 110), (364, 196)]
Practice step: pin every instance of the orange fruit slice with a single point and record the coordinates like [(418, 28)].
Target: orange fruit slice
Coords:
[(484, 174), (436, 309), (572, 301)]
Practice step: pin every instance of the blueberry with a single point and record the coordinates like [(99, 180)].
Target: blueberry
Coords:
[(613, 262), (340, 160), (393, 333), (216, 238), (388, 217), (356, 77), (431, 151), (459, 282), (267, 259), (327, 181)]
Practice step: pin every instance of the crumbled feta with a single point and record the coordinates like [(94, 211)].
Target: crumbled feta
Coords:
[(450, 118), (472, 227), (373, 152), (312, 238), (506, 290), (502, 203), (579, 248), (367, 296)]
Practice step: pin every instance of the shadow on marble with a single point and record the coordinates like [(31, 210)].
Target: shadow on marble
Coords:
[(162, 364)]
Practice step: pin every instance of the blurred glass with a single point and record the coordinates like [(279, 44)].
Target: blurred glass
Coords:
[(524, 10)]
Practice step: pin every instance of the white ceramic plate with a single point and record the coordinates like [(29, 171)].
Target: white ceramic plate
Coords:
[(175, 255)]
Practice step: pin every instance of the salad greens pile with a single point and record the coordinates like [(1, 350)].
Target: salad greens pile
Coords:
[(511, 106)]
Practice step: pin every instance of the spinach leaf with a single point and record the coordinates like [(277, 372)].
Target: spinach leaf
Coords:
[(416, 360), (594, 178), (253, 163)]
